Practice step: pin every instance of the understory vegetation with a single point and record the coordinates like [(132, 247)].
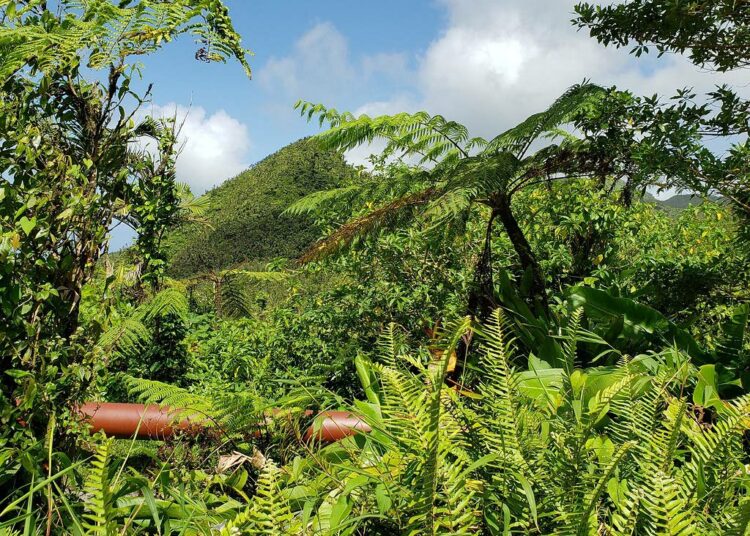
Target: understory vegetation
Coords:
[(531, 341)]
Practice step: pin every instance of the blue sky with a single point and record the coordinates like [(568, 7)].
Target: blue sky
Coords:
[(485, 63), (271, 29)]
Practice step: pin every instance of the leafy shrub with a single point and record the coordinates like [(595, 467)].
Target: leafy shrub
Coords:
[(618, 449)]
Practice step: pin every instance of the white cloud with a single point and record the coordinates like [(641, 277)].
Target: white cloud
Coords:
[(498, 62), (320, 68), (317, 68), (214, 146), (494, 63)]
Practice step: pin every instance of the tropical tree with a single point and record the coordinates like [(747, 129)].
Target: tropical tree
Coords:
[(714, 35), (453, 174), (67, 109)]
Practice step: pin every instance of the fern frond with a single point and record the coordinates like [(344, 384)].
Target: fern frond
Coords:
[(170, 301), (269, 513), (314, 201), (384, 217), (584, 520), (518, 139), (99, 520), (499, 391), (432, 138), (125, 339), (713, 450), (164, 394)]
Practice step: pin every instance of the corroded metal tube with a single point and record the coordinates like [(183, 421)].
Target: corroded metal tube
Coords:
[(137, 420), (332, 426), (159, 422)]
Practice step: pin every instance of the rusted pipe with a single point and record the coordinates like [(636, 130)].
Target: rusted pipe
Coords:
[(139, 420), (332, 426), (158, 422)]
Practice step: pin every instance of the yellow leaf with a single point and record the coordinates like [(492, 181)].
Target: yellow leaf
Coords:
[(65, 214), (15, 241)]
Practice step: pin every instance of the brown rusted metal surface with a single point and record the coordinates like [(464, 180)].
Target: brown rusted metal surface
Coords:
[(158, 422), (137, 420), (331, 426)]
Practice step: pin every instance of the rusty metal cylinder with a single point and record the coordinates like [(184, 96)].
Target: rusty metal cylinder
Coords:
[(137, 420), (151, 421), (332, 426)]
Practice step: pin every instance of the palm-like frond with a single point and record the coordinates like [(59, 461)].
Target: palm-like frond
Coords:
[(431, 138), (519, 138), (387, 216)]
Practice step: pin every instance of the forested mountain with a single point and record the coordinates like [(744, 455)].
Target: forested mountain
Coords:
[(682, 201), (244, 220)]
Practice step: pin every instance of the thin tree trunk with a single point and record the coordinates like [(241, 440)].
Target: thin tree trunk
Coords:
[(481, 300), (626, 196), (523, 249)]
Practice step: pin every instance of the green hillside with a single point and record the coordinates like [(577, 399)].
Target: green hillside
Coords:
[(245, 217), (682, 201)]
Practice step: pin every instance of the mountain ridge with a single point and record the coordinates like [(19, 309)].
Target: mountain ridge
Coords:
[(245, 217)]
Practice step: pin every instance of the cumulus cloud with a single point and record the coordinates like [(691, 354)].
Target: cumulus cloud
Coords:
[(214, 146), (318, 67), (493, 64), (498, 62)]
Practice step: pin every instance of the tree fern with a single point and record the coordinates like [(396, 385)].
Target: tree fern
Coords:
[(454, 173)]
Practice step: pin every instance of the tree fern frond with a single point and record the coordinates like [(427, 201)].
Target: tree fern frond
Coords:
[(383, 217), (164, 394), (169, 301), (563, 110), (314, 201), (126, 339), (432, 138)]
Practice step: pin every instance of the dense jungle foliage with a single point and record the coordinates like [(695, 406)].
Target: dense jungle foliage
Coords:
[(532, 343)]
